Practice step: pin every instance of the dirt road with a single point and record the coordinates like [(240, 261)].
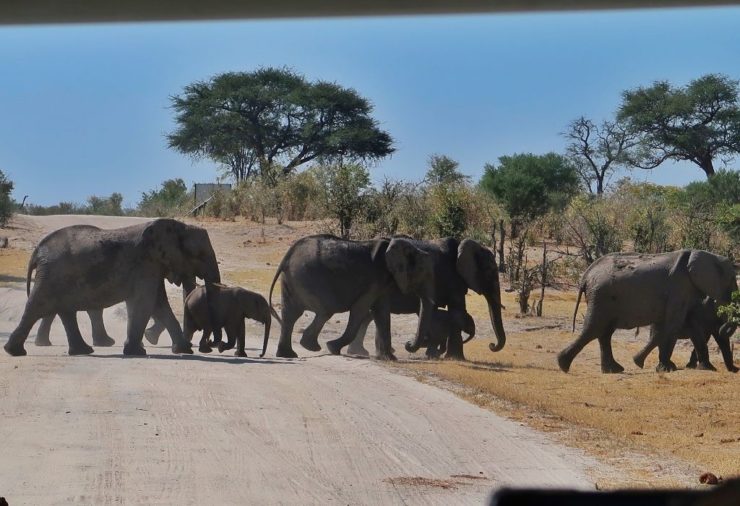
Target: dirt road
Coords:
[(200, 429)]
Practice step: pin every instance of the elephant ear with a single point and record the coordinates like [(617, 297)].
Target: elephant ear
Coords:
[(707, 274), (411, 267), (162, 241), (379, 249), (477, 266)]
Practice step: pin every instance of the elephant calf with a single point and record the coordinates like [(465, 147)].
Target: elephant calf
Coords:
[(444, 324), (702, 322), (232, 306)]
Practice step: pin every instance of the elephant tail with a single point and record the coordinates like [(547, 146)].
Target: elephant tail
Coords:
[(32, 263), (274, 280), (581, 289)]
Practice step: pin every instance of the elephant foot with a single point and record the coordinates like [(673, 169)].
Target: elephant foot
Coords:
[(14, 349), (691, 365), (612, 368), (666, 367), (224, 346), (136, 350), (705, 366), (151, 336), (386, 356), (204, 348), (410, 347), (357, 349), (455, 356), (182, 348), (104, 341), (285, 352), (433, 354), (564, 362), (82, 349), (42, 342), (240, 353), (334, 347), (639, 361), (732, 368), (311, 344)]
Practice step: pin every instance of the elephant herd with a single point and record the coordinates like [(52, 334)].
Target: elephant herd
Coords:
[(84, 268)]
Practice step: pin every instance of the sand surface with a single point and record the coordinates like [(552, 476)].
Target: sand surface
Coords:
[(214, 429)]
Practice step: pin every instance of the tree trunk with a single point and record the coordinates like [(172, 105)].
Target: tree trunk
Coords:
[(600, 185), (543, 278), (708, 167), (502, 233)]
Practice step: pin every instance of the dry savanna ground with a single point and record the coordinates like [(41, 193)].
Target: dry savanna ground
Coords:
[(647, 423)]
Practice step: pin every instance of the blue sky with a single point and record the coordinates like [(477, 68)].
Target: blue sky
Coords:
[(84, 109)]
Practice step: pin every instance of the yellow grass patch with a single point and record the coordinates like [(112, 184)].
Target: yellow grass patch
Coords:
[(13, 265)]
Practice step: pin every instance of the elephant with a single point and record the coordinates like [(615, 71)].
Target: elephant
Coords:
[(459, 266), (233, 304), (444, 324), (702, 322), (81, 268), (328, 275), (628, 290)]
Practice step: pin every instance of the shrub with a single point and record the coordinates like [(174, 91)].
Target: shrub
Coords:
[(6, 203)]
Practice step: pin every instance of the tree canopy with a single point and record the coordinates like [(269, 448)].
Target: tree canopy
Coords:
[(528, 186), (251, 122), (444, 170), (698, 123)]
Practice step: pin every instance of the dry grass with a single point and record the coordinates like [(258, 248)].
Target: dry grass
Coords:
[(694, 415), (13, 265)]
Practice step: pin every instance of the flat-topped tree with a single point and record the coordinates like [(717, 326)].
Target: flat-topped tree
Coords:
[(698, 123), (251, 122)]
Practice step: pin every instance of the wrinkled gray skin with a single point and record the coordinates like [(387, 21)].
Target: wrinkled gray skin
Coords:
[(83, 268), (233, 304), (628, 290), (702, 322), (457, 266), (328, 275)]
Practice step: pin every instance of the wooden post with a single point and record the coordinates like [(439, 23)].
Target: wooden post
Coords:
[(543, 278)]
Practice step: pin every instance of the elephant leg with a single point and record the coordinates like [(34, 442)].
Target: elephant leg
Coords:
[(665, 351), (726, 350), (382, 320), (700, 347), (693, 359), (357, 346), (455, 346), (310, 337), (232, 333), (240, 335), (32, 313), (99, 334), (357, 315), (152, 333), (640, 357), (42, 334), (205, 346), (77, 345), (608, 364), (289, 314), (591, 330), (163, 312)]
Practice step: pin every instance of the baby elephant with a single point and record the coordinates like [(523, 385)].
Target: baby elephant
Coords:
[(443, 324), (233, 304), (701, 323)]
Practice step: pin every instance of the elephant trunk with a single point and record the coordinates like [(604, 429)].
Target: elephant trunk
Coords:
[(726, 330), (494, 311), (425, 319), (268, 322)]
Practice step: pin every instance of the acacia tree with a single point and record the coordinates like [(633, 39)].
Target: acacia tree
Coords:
[(698, 123), (597, 151), (444, 170), (251, 122)]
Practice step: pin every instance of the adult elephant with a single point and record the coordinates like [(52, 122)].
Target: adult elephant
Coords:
[(628, 290), (459, 266), (82, 268), (328, 275)]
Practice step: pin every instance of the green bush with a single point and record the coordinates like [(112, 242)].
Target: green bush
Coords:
[(6, 203)]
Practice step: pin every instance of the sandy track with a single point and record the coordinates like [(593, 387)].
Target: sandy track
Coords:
[(220, 430)]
